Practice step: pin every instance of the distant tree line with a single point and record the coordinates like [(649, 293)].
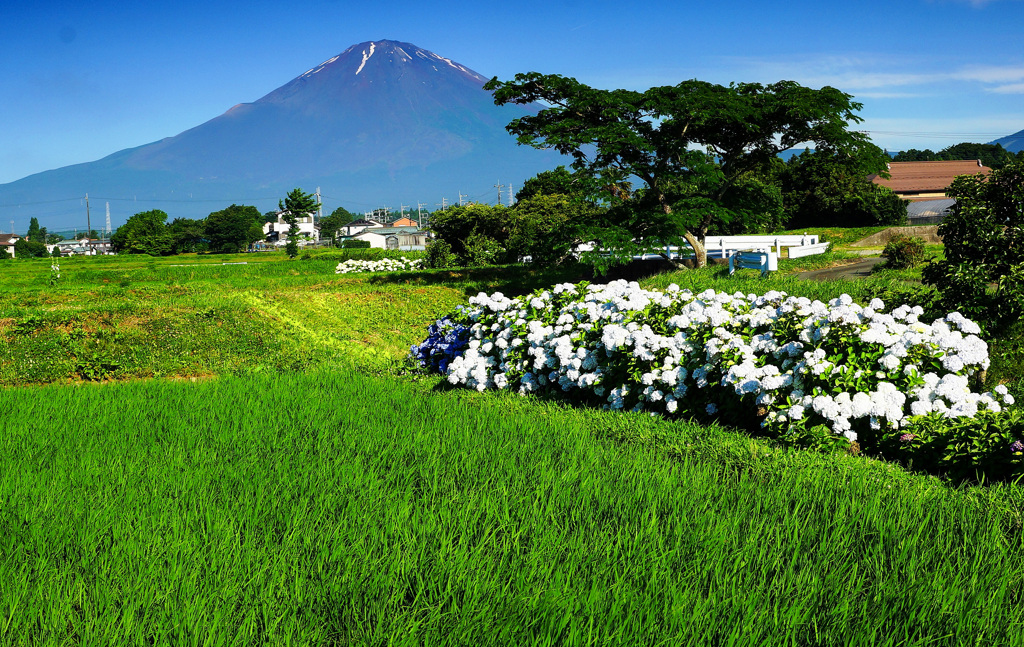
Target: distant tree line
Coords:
[(227, 231), (993, 156)]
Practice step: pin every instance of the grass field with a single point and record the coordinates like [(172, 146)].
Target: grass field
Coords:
[(308, 491)]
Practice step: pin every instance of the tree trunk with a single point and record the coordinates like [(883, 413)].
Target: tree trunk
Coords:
[(701, 254)]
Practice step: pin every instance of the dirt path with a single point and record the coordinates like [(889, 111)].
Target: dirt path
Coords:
[(856, 270)]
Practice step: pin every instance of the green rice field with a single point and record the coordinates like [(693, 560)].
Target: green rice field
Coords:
[(237, 455)]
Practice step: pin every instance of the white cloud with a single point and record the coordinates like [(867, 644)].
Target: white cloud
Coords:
[(990, 73), (874, 76), (1012, 88)]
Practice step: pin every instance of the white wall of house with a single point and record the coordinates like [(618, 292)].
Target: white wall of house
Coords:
[(306, 227)]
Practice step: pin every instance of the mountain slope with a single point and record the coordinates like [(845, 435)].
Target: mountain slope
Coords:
[(1013, 143), (383, 121)]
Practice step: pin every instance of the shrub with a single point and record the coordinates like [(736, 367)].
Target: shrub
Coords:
[(802, 371), (903, 252), (984, 245), (403, 264), (439, 255), (355, 244), (482, 251), (445, 341)]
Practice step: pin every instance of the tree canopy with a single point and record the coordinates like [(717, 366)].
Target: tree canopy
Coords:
[(822, 189), (144, 233), (330, 225), (688, 144), (993, 156), (233, 229)]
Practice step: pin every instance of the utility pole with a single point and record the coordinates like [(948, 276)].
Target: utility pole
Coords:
[(499, 186), (401, 210), (510, 194), (88, 221), (419, 213), (108, 220), (443, 204), (319, 206), (461, 196)]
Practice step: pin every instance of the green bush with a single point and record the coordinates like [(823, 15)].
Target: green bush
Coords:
[(439, 255), (355, 244), (366, 254), (904, 252), (984, 245), (483, 250), (985, 445)]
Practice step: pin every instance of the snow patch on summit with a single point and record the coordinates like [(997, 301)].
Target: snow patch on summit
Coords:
[(312, 71), (366, 57), (455, 65)]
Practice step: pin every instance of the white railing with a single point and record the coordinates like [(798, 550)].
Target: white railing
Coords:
[(799, 245), (808, 250), (725, 246)]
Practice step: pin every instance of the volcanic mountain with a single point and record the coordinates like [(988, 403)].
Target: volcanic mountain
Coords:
[(382, 122), (1013, 143)]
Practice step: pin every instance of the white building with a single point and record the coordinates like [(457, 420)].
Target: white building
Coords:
[(7, 243), (406, 239), (278, 230)]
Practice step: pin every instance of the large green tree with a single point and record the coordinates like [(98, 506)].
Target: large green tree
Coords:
[(187, 235), (33, 231), (233, 229), (654, 136), (330, 225), (144, 233), (296, 204), (822, 189), (26, 248)]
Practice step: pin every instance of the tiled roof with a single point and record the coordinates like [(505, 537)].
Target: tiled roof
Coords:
[(930, 208), (927, 176), (5, 239)]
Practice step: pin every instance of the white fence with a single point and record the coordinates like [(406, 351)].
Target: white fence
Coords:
[(725, 246), (808, 250), (799, 245)]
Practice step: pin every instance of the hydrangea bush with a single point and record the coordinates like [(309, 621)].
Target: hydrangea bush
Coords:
[(383, 265), (795, 367), (445, 341)]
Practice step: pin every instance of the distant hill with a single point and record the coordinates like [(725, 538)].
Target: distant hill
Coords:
[(1013, 143), (382, 122)]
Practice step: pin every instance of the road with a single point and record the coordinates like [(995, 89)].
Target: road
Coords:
[(856, 270)]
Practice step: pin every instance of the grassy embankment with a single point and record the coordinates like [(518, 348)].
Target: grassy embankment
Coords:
[(309, 502)]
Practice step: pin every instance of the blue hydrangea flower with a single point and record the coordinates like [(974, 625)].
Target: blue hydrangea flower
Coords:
[(445, 341)]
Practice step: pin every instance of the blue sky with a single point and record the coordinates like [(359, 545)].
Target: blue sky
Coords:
[(81, 80)]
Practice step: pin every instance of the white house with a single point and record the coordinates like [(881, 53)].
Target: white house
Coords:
[(278, 230), (356, 226), (7, 243), (404, 238)]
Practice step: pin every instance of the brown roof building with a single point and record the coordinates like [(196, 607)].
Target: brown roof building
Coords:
[(917, 181), (7, 243)]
